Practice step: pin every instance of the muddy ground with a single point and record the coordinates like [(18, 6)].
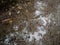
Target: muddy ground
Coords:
[(22, 10)]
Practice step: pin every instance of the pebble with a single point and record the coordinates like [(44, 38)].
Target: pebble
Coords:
[(9, 13), (18, 12)]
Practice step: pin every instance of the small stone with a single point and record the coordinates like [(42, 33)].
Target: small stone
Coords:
[(15, 27), (10, 21), (13, 7), (9, 13), (37, 13), (11, 34), (17, 4), (19, 7), (26, 10), (18, 12)]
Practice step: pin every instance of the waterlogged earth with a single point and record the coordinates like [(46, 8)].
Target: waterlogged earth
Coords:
[(32, 22)]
